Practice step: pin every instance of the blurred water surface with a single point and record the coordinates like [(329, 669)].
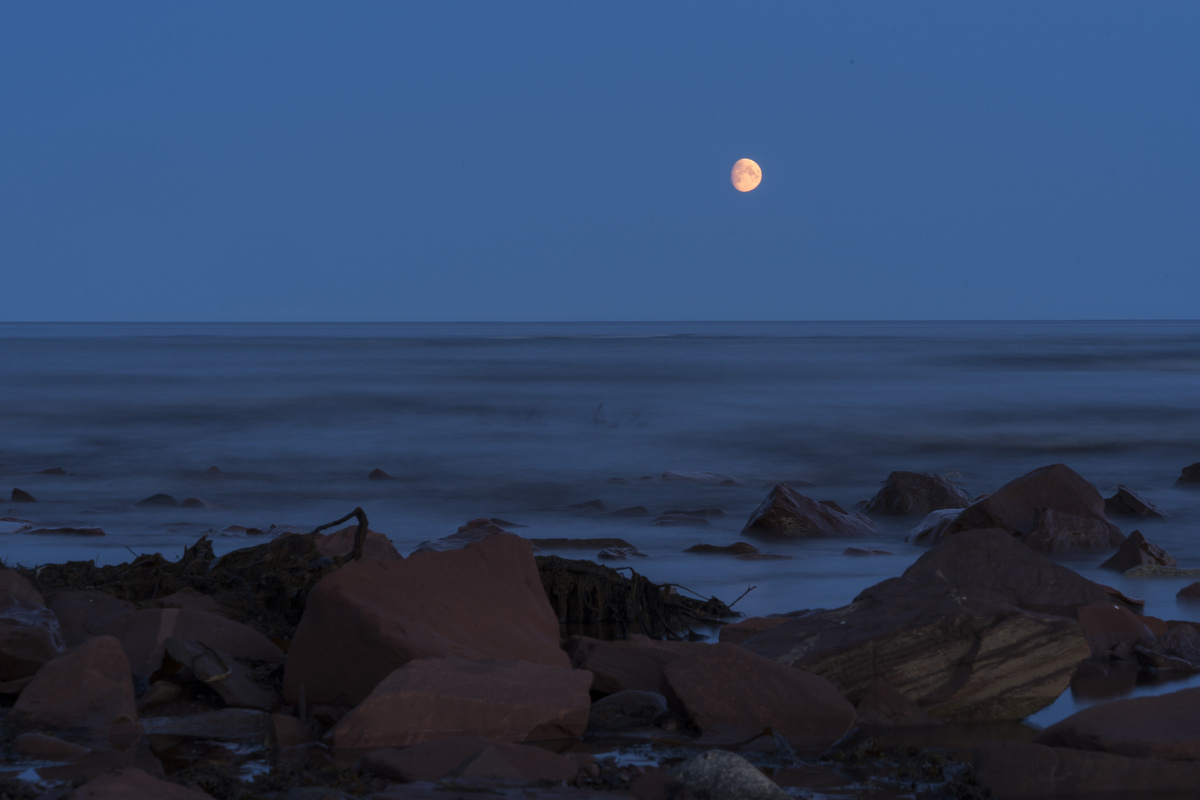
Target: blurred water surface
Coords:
[(520, 421)]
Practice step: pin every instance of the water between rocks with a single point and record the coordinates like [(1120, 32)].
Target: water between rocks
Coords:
[(522, 421)]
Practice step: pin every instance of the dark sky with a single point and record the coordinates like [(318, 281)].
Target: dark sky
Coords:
[(569, 161)]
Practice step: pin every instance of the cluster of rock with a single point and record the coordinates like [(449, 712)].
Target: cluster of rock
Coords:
[(469, 658)]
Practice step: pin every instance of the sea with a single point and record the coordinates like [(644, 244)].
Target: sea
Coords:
[(526, 422)]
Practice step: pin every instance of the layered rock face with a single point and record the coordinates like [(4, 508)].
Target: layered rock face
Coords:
[(1052, 509), (974, 630), (785, 513)]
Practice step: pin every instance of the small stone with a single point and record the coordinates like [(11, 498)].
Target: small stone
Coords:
[(720, 775), (159, 499), (379, 475)]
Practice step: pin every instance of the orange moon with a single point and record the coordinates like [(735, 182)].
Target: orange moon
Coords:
[(746, 175)]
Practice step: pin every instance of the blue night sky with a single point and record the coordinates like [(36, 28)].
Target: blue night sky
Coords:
[(169, 161)]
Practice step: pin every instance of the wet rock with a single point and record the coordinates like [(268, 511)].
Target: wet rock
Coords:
[(881, 706), (733, 695), (1190, 476), (1135, 551), (123, 784), (444, 698), (619, 553), (371, 617), (1107, 626), (159, 499), (702, 478), (739, 632), (932, 527), (598, 543), (213, 472), (86, 531), (706, 513), (88, 687), (53, 471), (1181, 641), (1160, 726), (196, 502), (589, 506), (632, 511), (865, 551), (1127, 503), (1021, 769), (627, 710), (735, 549), (679, 521), (467, 757), (30, 634), (22, 496), (1157, 571), (49, 748), (1051, 509), (959, 633), (911, 494), (1159, 662), (595, 600), (190, 598), (720, 775), (379, 475), (232, 680), (618, 481), (635, 663), (786, 513), (143, 635), (226, 724), (763, 557), (1189, 593)]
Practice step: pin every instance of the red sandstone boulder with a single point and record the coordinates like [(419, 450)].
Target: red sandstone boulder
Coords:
[(881, 706), (1160, 726), (1051, 509), (124, 784), (30, 634), (87, 687), (733, 695), (1107, 626), (619, 665), (627, 710), (445, 698), (467, 757), (785, 513), (143, 635), (341, 543), (1135, 551), (371, 617), (1021, 769), (959, 633), (1128, 503), (738, 632), (84, 613), (911, 494)]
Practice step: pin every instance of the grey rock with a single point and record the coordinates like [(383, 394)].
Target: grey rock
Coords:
[(720, 775)]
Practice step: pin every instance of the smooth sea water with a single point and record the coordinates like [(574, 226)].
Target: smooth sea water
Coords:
[(521, 421)]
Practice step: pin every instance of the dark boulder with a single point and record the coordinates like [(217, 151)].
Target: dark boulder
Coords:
[(915, 494), (1024, 769), (1135, 551), (735, 549), (1189, 593), (785, 513), (159, 499), (1190, 476), (379, 475), (1127, 503), (22, 496), (1160, 726), (1052, 509)]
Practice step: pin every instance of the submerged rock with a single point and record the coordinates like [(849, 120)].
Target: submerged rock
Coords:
[(159, 499), (22, 496), (785, 513), (1024, 769), (703, 478), (915, 494), (1190, 476), (469, 757)]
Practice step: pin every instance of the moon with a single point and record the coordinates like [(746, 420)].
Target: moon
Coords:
[(746, 175)]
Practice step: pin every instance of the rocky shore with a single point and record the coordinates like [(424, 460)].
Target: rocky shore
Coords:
[(328, 665)]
